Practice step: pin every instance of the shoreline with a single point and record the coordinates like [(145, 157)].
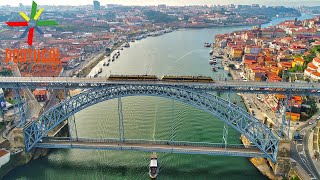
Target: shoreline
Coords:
[(98, 57), (259, 163)]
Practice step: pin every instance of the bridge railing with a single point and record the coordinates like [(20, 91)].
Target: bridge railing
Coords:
[(144, 141)]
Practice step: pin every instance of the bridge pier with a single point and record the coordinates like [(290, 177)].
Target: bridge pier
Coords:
[(284, 125), (282, 167), (72, 127)]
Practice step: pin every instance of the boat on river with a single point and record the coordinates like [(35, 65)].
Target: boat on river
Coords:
[(207, 45), (100, 71), (153, 167), (126, 45), (213, 61), (214, 69)]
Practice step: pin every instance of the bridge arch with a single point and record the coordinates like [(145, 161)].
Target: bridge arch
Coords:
[(258, 133)]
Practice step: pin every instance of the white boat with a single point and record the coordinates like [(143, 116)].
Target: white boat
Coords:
[(214, 69), (126, 45), (211, 52), (207, 45), (153, 167), (213, 61)]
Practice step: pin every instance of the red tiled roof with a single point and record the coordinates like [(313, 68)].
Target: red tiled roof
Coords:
[(317, 59), (316, 73), (309, 70), (40, 92), (312, 66), (3, 152)]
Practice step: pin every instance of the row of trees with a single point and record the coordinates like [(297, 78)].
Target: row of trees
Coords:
[(314, 52)]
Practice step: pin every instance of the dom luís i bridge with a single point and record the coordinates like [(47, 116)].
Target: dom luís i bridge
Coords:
[(195, 91)]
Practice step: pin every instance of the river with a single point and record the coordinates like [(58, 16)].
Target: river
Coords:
[(182, 53)]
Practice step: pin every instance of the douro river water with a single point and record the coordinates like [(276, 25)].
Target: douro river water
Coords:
[(181, 53)]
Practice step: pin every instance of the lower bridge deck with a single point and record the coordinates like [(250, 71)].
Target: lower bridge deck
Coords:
[(153, 146)]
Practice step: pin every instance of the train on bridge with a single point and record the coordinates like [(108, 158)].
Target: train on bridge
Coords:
[(164, 78)]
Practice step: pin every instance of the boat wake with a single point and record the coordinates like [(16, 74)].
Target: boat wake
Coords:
[(187, 54)]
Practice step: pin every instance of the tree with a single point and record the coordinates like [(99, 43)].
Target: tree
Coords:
[(307, 79), (295, 178), (159, 17), (313, 106), (232, 66)]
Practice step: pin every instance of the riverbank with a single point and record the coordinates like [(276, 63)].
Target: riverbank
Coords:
[(156, 55), (261, 164), (18, 157)]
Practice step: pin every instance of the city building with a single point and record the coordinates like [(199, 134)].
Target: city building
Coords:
[(41, 95), (96, 5), (4, 157)]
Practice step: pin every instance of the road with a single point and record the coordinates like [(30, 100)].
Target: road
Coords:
[(251, 152), (300, 152), (235, 85)]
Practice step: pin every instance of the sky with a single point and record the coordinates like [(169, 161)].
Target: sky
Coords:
[(289, 3)]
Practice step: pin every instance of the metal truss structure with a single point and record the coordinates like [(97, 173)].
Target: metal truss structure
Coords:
[(21, 109), (231, 86), (259, 134)]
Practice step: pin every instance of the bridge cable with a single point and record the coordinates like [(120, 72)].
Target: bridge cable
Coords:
[(225, 127), (172, 117), (120, 117)]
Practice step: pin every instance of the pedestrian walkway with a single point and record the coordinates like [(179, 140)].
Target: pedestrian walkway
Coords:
[(315, 147)]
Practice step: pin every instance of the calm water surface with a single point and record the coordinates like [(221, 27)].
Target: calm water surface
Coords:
[(181, 53)]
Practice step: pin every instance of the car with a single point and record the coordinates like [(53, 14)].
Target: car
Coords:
[(310, 122), (318, 117)]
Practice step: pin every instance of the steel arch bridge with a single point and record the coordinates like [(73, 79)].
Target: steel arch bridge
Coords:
[(258, 133)]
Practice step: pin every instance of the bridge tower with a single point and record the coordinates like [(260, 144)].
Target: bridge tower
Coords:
[(72, 127), (21, 109), (285, 124)]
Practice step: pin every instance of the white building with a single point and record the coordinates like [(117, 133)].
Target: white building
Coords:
[(4, 157), (313, 69)]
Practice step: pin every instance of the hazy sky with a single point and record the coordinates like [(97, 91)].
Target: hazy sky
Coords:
[(168, 2)]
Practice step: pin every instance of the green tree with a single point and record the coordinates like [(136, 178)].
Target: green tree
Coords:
[(295, 178), (232, 66), (307, 79), (159, 17)]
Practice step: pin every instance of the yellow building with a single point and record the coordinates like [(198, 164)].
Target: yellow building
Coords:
[(236, 53), (299, 61)]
